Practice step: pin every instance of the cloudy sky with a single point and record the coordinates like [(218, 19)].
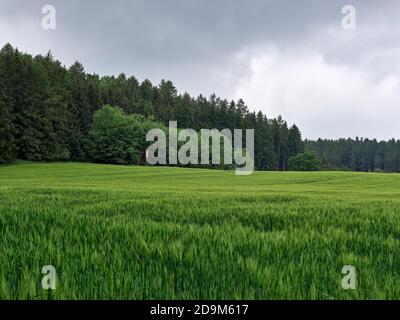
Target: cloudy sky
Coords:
[(292, 58)]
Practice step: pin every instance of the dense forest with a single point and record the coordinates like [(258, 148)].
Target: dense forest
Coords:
[(357, 154), (46, 113)]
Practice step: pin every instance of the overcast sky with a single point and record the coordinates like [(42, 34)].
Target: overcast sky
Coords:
[(292, 58)]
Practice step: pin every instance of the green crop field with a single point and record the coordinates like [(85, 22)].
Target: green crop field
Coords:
[(120, 232)]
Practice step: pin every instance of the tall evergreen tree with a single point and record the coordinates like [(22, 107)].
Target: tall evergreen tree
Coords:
[(47, 111), (295, 142), (7, 144), (7, 130)]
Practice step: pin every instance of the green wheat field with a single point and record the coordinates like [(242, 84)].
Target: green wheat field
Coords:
[(125, 232)]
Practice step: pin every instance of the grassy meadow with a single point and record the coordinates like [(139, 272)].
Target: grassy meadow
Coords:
[(123, 232)]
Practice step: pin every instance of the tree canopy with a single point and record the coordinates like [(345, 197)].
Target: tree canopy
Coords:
[(46, 113), (306, 161), (357, 154)]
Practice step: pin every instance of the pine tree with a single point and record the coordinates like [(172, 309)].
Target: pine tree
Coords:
[(7, 129), (295, 142), (47, 111), (7, 145)]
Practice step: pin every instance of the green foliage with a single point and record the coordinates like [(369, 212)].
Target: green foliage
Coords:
[(118, 138), (295, 142), (35, 118), (7, 144), (304, 162), (357, 154), (127, 232), (7, 129), (48, 111)]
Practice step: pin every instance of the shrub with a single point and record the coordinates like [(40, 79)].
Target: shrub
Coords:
[(118, 138), (304, 162)]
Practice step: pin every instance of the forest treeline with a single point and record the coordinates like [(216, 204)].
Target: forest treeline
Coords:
[(357, 154), (46, 111)]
